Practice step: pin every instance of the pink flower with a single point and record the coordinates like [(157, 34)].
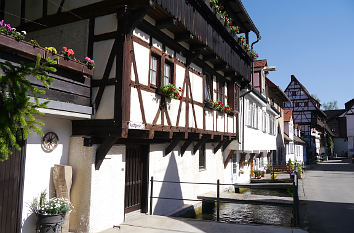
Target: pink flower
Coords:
[(71, 52), (65, 49)]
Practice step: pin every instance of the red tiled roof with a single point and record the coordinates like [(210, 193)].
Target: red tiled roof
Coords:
[(288, 113), (260, 63)]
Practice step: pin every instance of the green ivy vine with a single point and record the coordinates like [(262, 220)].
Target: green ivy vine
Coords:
[(17, 115)]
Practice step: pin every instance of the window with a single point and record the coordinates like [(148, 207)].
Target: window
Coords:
[(208, 87), (249, 113), (221, 94), (234, 163), (272, 125), (306, 104), (154, 70), (233, 94), (168, 73), (202, 158), (236, 98), (264, 122), (297, 104), (291, 148), (293, 93)]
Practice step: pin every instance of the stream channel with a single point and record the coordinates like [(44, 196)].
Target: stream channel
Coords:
[(250, 213)]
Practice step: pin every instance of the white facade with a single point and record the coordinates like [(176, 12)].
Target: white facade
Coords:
[(349, 115), (39, 163)]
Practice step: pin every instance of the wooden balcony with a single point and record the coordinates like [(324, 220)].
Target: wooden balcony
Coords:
[(72, 79)]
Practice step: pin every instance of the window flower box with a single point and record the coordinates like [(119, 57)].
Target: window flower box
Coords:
[(29, 50)]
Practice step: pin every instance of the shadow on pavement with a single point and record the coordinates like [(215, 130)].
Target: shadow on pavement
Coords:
[(327, 217), (340, 165)]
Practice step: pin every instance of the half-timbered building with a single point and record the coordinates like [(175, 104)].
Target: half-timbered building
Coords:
[(137, 131), (308, 114)]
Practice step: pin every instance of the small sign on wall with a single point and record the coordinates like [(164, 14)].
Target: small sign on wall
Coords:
[(136, 125)]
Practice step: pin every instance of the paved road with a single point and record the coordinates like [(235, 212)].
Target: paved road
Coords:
[(161, 224), (327, 197)]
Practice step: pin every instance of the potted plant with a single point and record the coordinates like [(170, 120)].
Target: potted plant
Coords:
[(263, 173), (258, 174), (50, 213), (172, 92), (244, 163)]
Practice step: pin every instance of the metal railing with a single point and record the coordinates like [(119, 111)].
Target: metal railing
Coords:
[(218, 184)]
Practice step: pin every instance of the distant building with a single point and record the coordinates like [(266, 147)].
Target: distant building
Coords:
[(338, 126), (349, 116), (307, 114)]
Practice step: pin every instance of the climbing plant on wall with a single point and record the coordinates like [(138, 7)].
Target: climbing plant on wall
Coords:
[(17, 110)]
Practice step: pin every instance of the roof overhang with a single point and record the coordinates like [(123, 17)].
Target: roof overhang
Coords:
[(238, 12)]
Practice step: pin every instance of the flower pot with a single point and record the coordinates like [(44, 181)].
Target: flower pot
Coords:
[(262, 175), (259, 177), (50, 223)]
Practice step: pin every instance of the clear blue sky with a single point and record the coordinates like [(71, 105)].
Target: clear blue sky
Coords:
[(312, 39)]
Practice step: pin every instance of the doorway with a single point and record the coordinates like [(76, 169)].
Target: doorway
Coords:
[(136, 178)]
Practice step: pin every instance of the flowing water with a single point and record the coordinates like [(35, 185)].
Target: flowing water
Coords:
[(252, 214)]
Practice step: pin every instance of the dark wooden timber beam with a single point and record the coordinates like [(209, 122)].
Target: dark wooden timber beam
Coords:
[(225, 144), (185, 146), (218, 146), (103, 149), (165, 23), (183, 36), (219, 67), (209, 57), (197, 47), (171, 146), (89, 11), (199, 144), (228, 158)]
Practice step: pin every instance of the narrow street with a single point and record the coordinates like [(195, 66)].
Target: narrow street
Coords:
[(327, 197)]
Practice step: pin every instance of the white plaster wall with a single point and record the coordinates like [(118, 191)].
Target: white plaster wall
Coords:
[(39, 163), (101, 52), (105, 24), (98, 195), (107, 191), (142, 63), (106, 108), (256, 140), (33, 9), (350, 125), (209, 119), (173, 167), (12, 11), (197, 87), (340, 146), (72, 35)]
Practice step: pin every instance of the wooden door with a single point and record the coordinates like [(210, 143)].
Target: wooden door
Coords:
[(136, 178), (11, 191)]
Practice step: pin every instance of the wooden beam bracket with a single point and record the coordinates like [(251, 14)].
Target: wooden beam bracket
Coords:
[(171, 146), (199, 144), (185, 146), (103, 149)]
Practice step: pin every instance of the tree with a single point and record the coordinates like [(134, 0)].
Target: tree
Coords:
[(316, 98), (17, 115), (331, 105)]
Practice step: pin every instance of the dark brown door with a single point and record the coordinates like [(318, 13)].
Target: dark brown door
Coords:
[(136, 177), (11, 191)]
